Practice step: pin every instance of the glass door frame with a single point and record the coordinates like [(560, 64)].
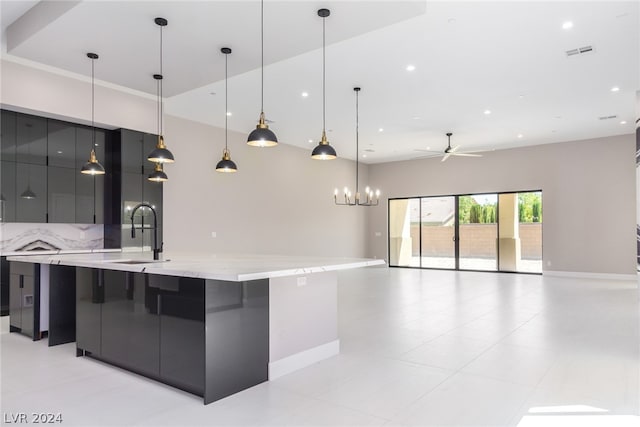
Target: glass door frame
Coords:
[(456, 231)]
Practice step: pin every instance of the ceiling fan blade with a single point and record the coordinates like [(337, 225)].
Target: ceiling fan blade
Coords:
[(454, 149), (446, 156), (427, 151), (466, 154)]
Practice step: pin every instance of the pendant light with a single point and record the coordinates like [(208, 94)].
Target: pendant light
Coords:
[(28, 194), (323, 150), (158, 174), (93, 166), (371, 198), (226, 164), (262, 136), (160, 154)]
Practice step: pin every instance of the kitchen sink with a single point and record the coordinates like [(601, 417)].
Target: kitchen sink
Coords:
[(139, 261)]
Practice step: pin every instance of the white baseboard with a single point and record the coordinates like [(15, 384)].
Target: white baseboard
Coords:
[(303, 359), (583, 275)]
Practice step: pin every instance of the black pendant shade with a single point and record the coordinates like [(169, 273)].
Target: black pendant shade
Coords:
[(262, 136), (158, 174), (323, 150), (226, 165), (161, 154)]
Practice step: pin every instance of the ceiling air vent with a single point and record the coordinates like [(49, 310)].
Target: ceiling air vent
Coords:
[(607, 117), (579, 51)]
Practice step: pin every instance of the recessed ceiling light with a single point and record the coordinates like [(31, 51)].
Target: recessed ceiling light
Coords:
[(615, 89), (487, 112), (520, 96), (567, 25), (380, 130), (624, 122), (451, 20), (311, 141), (411, 67), (364, 155), (305, 94), (417, 118), (520, 135), (60, 152), (229, 113)]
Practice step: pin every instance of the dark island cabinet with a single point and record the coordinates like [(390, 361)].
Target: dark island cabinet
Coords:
[(24, 299), (150, 324), (130, 322), (89, 299), (182, 331)]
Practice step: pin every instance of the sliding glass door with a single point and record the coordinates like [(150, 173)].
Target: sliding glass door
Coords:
[(437, 227), (482, 232), (478, 232)]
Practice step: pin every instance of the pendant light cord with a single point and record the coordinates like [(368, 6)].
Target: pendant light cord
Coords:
[(357, 141), (324, 95), (226, 99), (93, 96), (262, 55), (160, 92)]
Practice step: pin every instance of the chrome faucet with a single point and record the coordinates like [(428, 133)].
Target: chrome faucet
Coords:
[(156, 249)]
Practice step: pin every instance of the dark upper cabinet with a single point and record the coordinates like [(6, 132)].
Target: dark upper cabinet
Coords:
[(132, 146), (31, 180), (8, 136), (136, 188), (45, 156), (31, 139), (61, 190), (8, 192), (148, 145), (61, 144)]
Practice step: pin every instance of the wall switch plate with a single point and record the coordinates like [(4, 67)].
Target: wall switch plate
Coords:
[(378, 234), (214, 234), (302, 281)]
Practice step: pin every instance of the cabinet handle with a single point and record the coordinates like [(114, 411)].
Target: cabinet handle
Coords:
[(159, 305), (21, 281)]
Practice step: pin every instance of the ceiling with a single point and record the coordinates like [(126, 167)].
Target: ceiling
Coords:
[(469, 57)]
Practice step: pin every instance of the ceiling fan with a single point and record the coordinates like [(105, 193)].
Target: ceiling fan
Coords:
[(451, 151)]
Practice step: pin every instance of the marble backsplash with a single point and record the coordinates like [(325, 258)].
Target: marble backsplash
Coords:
[(16, 236)]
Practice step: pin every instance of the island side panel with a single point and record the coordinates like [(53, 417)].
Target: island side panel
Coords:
[(237, 336), (303, 321)]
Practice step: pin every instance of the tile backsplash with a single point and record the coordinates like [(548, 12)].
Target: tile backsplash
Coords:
[(16, 236)]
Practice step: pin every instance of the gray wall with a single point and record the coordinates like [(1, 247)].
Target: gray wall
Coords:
[(588, 190), (279, 202)]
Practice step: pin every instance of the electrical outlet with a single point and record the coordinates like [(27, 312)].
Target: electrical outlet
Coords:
[(378, 234), (214, 234), (548, 263), (302, 281)]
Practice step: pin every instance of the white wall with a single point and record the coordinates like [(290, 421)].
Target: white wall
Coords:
[(279, 202), (588, 190)]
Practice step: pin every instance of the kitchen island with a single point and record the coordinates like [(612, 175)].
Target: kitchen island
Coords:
[(209, 324)]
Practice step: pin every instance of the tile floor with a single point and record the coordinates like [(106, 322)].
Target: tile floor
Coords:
[(429, 348)]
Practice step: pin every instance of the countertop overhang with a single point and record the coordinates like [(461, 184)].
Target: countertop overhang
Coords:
[(230, 267)]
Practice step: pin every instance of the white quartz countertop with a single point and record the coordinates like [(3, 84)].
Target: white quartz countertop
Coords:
[(231, 267), (57, 252)]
